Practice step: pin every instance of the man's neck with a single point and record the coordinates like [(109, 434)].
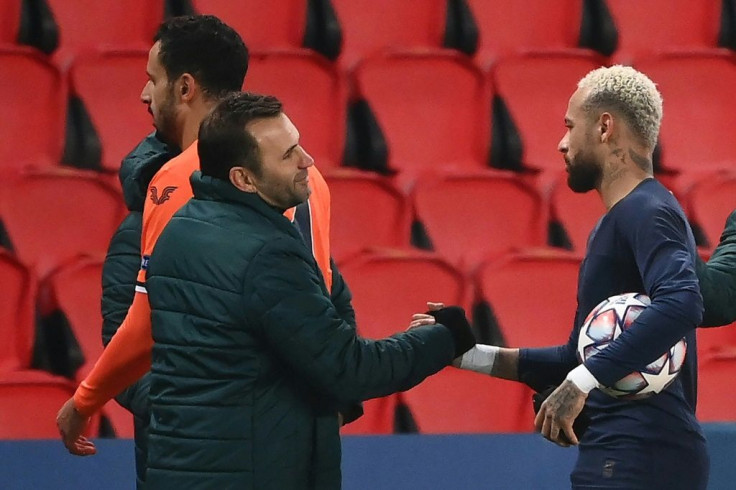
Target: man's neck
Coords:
[(620, 176), (192, 121)]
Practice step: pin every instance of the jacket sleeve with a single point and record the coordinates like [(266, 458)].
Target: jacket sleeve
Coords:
[(286, 303), (341, 296), (718, 279)]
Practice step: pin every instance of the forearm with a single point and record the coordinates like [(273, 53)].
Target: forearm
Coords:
[(126, 358)]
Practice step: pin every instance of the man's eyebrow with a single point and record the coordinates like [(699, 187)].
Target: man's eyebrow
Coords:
[(291, 148)]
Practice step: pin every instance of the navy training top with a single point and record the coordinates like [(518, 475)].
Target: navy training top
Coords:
[(643, 244)]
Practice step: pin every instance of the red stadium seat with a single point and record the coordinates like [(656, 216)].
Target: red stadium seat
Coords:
[(52, 217), (36, 135), (712, 341), (110, 83), (692, 115), (367, 211), (710, 201), (9, 21), (29, 401), (716, 399), (455, 401), (531, 82), (378, 417), (16, 314), (93, 24), (370, 26), (662, 25), (433, 109), (263, 25), (320, 115), (471, 216), (577, 213), (532, 295), (510, 26)]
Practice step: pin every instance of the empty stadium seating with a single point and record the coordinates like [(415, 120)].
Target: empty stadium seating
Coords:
[(532, 295), (536, 89), (690, 135), (263, 25), (716, 401), (9, 21), (455, 401), (109, 84), (370, 26), (712, 341), (52, 217), (314, 96), (433, 109), (577, 213), (366, 211), (510, 26), (710, 202), (378, 417), (33, 101), (16, 314), (471, 216), (91, 24), (651, 26)]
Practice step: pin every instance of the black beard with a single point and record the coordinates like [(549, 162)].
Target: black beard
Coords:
[(583, 176)]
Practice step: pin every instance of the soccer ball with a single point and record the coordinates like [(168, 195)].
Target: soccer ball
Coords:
[(606, 322)]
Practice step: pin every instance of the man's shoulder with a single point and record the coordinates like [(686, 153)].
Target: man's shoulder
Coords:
[(180, 167)]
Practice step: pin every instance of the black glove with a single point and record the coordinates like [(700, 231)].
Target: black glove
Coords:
[(579, 426), (453, 317)]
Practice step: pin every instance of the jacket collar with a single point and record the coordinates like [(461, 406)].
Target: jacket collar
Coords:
[(138, 168), (211, 189)]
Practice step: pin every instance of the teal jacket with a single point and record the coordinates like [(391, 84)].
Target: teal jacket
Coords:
[(119, 272), (718, 279), (251, 359)]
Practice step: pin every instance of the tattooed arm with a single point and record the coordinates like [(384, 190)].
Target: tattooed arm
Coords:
[(558, 412)]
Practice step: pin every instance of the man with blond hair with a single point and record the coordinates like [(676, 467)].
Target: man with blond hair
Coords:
[(642, 244)]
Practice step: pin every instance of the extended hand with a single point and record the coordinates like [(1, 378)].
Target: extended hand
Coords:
[(419, 319), (558, 412), (71, 425)]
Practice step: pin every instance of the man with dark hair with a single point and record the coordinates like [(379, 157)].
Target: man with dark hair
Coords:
[(251, 359), (178, 96)]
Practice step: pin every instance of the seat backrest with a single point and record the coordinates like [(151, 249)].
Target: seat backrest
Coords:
[(510, 26), (16, 314), (262, 25), (442, 404), (469, 217), (9, 21), (53, 217), (536, 89), (78, 292), (369, 26), (433, 109), (710, 202), (92, 24), (692, 115), (716, 399), (35, 136), (577, 213), (367, 211), (110, 83), (714, 341), (320, 114), (649, 26), (532, 295), (388, 288)]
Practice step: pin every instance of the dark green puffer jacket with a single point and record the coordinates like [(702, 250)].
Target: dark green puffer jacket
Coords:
[(718, 279), (251, 358), (120, 270)]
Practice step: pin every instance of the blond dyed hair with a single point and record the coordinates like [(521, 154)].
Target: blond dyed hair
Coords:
[(629, 92)]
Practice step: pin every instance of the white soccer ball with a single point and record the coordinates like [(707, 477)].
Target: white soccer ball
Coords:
[(606, 322)]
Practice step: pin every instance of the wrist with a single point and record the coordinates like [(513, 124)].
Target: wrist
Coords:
[(583, 379), (480, 358)]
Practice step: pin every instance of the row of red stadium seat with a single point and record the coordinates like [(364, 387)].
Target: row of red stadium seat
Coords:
[(433, 109), (410, 279), (503, 26)]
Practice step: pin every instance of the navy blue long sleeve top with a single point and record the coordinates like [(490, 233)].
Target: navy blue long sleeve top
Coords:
[(643, 244)]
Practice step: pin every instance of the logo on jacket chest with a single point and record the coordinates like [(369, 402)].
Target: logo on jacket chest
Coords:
[(165, 194)]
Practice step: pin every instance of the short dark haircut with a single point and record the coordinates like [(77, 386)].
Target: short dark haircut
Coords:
[(205, 47), (224, 142)]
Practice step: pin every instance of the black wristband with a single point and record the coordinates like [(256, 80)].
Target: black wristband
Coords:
[(453, 317)]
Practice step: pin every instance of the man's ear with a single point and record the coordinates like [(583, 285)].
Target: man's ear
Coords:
[(242, 178), (606, 127), (187, 87)]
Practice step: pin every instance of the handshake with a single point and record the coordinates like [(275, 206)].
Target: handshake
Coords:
[(451, 317)]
